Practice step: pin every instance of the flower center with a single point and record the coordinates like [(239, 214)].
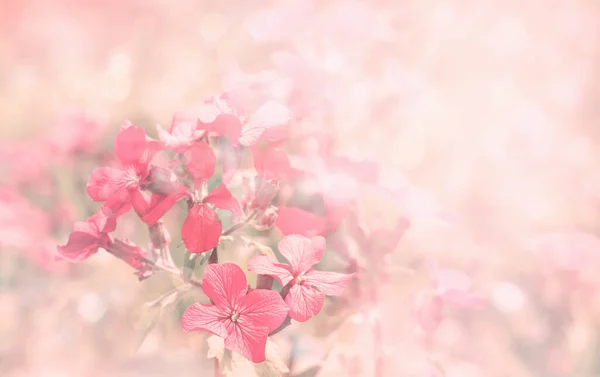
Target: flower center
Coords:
[(300, 279), (131, 177), (235, 316)]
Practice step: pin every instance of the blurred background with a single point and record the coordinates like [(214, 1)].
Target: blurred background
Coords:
[(481, 117)]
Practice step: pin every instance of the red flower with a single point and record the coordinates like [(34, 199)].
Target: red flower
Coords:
[(202, 228), (121, 187), (243, 318), (307, 287)]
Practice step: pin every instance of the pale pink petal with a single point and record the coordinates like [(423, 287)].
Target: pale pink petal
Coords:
[(225, 284), (450, 279), (201, 229), (202, 317), (230, 161), (261, 264), (228, 125), (329, 283), (302, 252), (249, 341), (222, 198), (130, 145), (427, 311), (270, 114), (263, 307), (304, 302), (291, 220), (106, 182), (200, 162)]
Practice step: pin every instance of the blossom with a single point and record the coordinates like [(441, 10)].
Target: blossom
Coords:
[(306, 287), (122, 187), (87, 237), (94, 233), (241, 317), (202, 228)]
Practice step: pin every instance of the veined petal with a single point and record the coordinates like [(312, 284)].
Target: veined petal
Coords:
[(208, 318), (130, 145), (302, 252), (263, 307), (106, 182), (261, 264), (222, 198), (249, 341), (201, 229), (225, 284), (269, 115), (304, 302), (327, 282)]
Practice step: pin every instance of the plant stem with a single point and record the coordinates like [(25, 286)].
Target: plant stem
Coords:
[(176, 273), (240, 225)]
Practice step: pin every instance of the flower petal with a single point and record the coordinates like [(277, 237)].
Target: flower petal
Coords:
[(304, 302), (292, 220), (203, 317), (159, 205), (131, 144), (225, 284), (222, 198), (201, 229), (272, 163), (327, 282), (261, 264), (200, 162), (249, 341), (270, 114), (79, 247), (228, 125), (263, 307), (302, 252), (105, 183)]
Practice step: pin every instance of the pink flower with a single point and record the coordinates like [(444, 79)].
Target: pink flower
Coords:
[(94, 233), (242, 318), (306, 287), (202, 228), (122, 187), (219, 115), (87, 237)]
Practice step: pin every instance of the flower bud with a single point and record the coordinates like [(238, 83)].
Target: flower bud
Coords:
[(265, 191), (162, 181), (266, 219)]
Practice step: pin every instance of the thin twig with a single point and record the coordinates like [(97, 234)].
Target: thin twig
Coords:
[(176, 273), (240, 225)]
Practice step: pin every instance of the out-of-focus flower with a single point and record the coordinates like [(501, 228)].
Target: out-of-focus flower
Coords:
[(306, 287)]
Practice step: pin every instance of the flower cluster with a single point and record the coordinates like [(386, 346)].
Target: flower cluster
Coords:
[(152, 175)]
